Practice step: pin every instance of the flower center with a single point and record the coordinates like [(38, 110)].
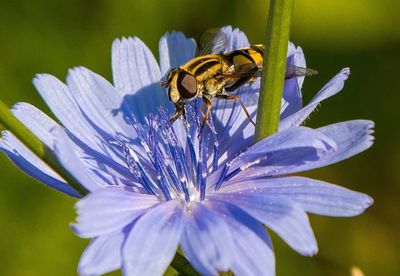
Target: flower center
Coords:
[(171, 161)]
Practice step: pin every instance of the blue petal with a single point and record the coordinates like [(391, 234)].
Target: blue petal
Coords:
[(291, 50), (137, 75), (175, 50), (36, 121), (41, 125), (98, 100), (207, 241), (102, 255), (313, 196), (254, 254), (58, 97), (292, 90), (231, 123), (300, 61), (290, 147), (235, 38), (153, 240), (67, 154), (60, 100), (109, 210), (291, 99), (133, 65), (283, 216), (276, 154), (351, 138), (32, 165), (331, 88)]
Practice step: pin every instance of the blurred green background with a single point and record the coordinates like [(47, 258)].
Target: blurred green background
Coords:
[(52, 36)]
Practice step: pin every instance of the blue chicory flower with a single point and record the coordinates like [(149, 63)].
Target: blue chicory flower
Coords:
[(154, 187)]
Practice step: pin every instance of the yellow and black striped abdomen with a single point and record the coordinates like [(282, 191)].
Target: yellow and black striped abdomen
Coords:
[(246, 63), (257, 53), (250, 55)]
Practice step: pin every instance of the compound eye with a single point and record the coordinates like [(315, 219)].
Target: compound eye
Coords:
[(187, 85)]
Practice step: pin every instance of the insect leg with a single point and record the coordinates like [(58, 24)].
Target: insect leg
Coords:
[(179, 110), (175, 116), (237, 98), (208, 104)]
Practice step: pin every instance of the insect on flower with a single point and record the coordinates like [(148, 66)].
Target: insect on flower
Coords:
[(215, 74), (154, 187)]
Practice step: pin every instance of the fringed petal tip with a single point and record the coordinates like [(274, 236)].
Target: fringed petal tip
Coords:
[(126, 43), (236, 39), (370, 129), (18, 105), (3, 138), (124, 39), (175, 49), (176, 35), (38, 78), (346, 71), (133, 65), (310, 253), (360, 130)]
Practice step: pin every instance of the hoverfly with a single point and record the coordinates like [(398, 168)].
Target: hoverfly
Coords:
[(217, 74)]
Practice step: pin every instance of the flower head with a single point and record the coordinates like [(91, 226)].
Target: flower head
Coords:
[(156, 186)]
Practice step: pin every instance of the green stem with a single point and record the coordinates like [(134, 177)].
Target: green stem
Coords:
[(24, 135), (274, 67)]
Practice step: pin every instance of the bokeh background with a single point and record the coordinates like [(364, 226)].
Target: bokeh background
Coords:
[(52, 36)]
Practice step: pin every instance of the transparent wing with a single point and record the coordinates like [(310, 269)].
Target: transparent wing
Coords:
[(244, 70), (295, 71), (213, 41), (250, 70)]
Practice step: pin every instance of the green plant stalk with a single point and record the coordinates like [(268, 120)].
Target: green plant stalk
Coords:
[(274, 67), (24, 135), (10, 122)]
